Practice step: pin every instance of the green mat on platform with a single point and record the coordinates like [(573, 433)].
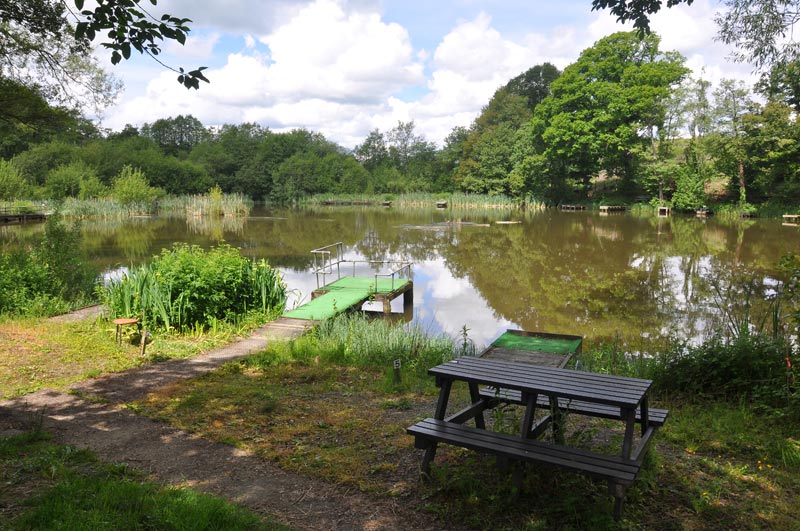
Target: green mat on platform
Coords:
[(514, 341), (342, 294)]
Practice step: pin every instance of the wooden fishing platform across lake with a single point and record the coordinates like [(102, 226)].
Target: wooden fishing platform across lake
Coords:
[(351, 292), (13, 216)]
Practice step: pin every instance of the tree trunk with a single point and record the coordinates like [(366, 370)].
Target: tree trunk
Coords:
[(742, 190)]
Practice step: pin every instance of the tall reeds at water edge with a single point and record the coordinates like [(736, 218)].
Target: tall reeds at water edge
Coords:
[(212, 204), (188, 287), (421, 200), (185, 206)]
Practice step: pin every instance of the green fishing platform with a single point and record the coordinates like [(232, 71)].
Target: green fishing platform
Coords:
[(349, 293), (352, 291), (539, 348)]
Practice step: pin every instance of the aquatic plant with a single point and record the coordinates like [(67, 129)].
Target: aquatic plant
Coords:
[(186, 287)]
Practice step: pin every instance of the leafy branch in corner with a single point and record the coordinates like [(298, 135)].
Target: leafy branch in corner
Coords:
[(130, 27)]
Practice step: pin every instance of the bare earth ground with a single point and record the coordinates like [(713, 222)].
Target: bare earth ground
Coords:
[(93, 418)]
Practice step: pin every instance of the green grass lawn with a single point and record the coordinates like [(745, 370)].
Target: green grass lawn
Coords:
[(44, 485), (713, 466)]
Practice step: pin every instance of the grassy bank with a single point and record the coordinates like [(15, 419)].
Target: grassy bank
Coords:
[(52, 486), (329, 406), (318, 406), (39, 353)]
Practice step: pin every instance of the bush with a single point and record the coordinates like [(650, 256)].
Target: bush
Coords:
[(754, 368), (66, 180), (48, 277), (12, 183), (131, 186), (186, 286)]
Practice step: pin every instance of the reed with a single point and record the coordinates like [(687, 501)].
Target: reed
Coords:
[(360, 341), (188, 288), (101, 208), (214, 204), (427, 200)]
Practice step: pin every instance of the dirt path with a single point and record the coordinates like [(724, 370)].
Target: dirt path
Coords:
[(176, 457)]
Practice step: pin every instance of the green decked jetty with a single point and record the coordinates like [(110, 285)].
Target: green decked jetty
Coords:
[(350, 293)]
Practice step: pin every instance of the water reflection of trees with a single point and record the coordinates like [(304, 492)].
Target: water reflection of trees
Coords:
[(562, 272), (615, 275)]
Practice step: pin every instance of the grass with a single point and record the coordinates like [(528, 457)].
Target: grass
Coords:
[(315, 410), (51, 486), (38, 353), (327, 406), (416, 200)]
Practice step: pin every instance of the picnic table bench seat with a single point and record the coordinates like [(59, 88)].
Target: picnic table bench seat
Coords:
[(607, 467), (656, 417)]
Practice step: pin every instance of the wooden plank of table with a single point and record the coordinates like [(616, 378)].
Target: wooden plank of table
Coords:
[(604, 389)]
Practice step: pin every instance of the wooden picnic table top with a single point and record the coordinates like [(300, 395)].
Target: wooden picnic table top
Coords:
[(619, 391)]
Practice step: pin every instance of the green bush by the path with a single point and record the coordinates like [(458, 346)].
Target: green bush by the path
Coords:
[(186, 286)]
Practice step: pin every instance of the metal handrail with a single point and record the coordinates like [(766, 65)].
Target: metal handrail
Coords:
[(331, 256)]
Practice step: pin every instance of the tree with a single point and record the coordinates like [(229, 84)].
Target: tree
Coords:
[(484, 163), (598, 110), (782, 84), (771, 144), (372, 151), (732, 103), (176, 136), (758, 29), (26, 118), (534, 83), (120, 26)]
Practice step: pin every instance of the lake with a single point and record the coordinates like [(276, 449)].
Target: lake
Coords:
[(616, 277)]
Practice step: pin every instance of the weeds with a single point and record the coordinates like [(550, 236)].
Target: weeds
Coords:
[(186, 287)]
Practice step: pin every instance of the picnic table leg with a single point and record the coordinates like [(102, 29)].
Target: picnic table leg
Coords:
[(530, 412), (558, 420), (629, 415), (430, 453), (618, 491), (444, 396), (475, 396), (441, 410), (645, 415)]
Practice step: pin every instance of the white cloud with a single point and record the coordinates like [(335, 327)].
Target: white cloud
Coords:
[(338, 67)]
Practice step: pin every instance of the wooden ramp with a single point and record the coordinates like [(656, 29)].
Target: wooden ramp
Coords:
[(284, 328)]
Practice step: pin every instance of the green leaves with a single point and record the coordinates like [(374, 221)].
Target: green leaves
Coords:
[(129, 27)]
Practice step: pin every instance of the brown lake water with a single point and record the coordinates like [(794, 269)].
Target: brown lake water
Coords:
[(603, 277)]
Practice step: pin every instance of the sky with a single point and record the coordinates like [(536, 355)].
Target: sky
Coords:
[(346, 67)]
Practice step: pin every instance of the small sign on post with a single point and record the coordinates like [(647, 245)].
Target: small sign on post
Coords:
[(397, 371)]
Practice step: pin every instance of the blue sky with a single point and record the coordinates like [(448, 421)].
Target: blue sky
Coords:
[(346, 67)]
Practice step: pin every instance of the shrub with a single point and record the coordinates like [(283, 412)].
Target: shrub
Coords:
[(47, 277), (66, 180), (186, 286), (131, 186), (12, 183)]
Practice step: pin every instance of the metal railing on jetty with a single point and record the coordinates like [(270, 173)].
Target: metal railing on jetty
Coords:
[(330, 258)]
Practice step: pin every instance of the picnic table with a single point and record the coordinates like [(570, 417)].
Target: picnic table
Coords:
[(556, 389)]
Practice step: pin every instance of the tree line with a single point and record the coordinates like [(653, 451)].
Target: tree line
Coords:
[(625, 121)]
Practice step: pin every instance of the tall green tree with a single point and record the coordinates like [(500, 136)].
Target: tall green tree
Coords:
[(176, 136), (598, 109), (479, 158), (761, 31), (732, 102)]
